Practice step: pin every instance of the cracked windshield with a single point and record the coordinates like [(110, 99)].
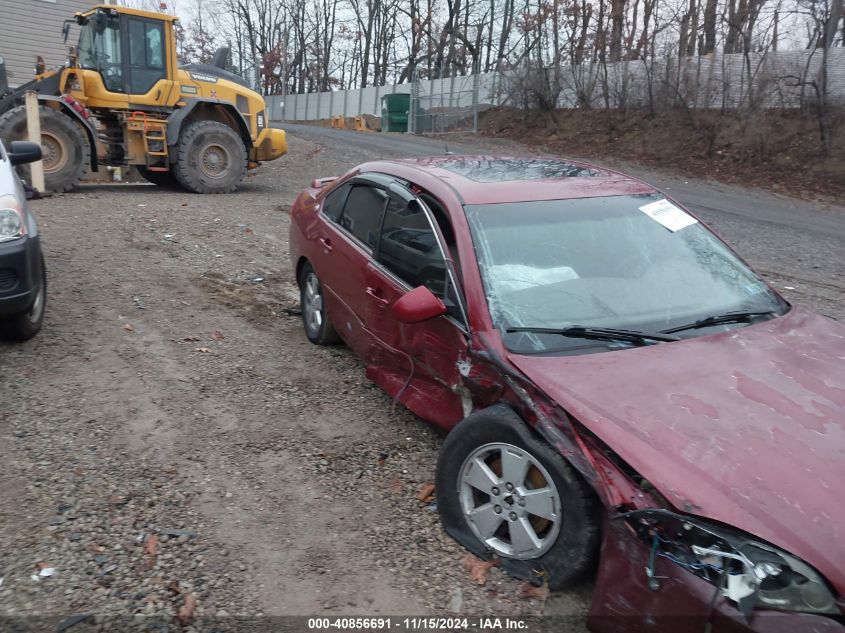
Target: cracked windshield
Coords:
[(605, 262)]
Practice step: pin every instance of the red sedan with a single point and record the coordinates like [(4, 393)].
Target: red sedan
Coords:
[(621, 390)]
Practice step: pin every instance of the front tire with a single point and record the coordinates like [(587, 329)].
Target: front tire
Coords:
[(210, 158), (24, 326), (315, 319), (66, 152), (503, 493)]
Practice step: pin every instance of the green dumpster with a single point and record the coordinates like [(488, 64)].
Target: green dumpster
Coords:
[(394, 112)]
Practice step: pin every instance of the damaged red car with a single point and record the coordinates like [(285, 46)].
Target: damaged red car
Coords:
[(624, 396)]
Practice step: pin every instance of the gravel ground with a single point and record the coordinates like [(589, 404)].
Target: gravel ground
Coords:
[(171, 432), (172, 445)]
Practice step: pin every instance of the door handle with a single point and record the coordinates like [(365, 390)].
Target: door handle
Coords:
[(327, 243), (380, 300)]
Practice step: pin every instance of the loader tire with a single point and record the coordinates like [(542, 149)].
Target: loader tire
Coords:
[(67, 154), (211, 158), (160, 178)]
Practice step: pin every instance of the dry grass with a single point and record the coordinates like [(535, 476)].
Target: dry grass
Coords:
[(774, 149)]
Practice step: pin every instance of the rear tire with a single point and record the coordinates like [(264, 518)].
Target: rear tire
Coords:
[(67, 154), (210, 158), (315, 319), (160, 178), (24, 326)]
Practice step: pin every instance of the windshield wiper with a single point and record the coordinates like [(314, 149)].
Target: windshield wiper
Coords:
[(600, 334), (718, 319)]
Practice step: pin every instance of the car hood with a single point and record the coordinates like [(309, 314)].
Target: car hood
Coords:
[(746, 427)]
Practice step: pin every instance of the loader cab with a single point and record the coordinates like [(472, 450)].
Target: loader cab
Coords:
[(132, 53)]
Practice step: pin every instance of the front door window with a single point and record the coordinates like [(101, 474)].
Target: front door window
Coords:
[(99, 49), (409, 247)]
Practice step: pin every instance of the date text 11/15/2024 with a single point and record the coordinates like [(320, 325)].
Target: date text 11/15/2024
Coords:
[(417, 624)]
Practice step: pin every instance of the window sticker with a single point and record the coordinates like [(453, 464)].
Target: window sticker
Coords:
[(668, 215)]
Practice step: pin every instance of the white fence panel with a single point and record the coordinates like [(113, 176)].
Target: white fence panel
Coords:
[(324, 105), (713, 81), (353, 103)]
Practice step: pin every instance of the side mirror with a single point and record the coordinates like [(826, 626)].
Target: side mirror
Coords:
[(24, 152), (417, 305)]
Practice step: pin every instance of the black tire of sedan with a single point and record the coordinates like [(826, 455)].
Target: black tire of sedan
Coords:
[(24, 326), (502, 492), (210, 158), (315, 319)]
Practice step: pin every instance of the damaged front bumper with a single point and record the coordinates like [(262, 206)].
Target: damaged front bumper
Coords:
[(637, 590)]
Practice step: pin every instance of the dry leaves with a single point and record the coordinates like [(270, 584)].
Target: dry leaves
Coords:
[(152, 544), (186, 611), (478, 569), (217, 335), (128, 327), (426, 493), (531, 592)]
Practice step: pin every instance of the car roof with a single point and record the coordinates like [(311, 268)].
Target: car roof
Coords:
[(496, 179)]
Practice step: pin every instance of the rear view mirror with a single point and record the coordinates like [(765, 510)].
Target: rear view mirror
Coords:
[(24, 152), (418, 305), (100, 22)]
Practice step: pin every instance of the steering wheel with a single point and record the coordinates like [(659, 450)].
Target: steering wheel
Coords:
[(110, 71)]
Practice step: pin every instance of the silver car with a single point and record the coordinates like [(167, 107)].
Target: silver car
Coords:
[(23, 277)]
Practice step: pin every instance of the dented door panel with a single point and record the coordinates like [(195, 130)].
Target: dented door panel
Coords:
[(416, 361)]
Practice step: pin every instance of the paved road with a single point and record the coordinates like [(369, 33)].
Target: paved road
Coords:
[(798, 245)]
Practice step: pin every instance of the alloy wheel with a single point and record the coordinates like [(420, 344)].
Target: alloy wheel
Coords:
[(510, 501), (312, 306)]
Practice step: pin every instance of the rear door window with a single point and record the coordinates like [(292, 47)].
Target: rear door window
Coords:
[(362, 214), (333, 203)]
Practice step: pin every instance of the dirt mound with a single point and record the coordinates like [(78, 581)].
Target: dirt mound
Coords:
[(775, 149)]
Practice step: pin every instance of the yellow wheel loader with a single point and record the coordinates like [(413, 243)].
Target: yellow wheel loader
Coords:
[(122, 99)]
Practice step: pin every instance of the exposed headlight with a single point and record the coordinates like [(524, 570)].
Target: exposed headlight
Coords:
[(11, 219), (746, 571)]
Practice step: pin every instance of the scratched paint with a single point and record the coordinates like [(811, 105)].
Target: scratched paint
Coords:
[(770, 461)]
